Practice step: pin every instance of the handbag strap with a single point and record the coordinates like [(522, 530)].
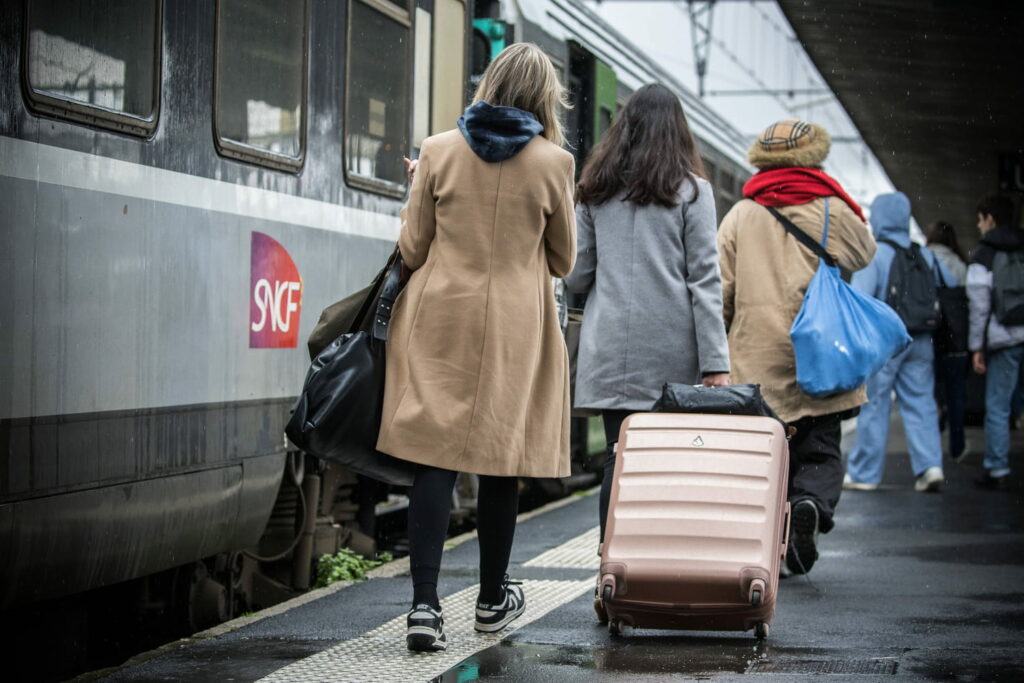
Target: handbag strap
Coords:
[(805, 239), (374, 293), (388, 293)]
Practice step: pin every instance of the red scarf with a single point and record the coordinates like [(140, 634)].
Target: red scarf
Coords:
[(789, 186)]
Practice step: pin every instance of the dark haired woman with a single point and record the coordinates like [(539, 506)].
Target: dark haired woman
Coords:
[(950, 367), (647, 259), (942, 242)]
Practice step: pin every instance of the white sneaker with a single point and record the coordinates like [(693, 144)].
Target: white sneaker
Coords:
[(930, 480), (850, 485)]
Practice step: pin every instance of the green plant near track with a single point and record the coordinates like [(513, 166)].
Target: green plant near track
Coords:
[(346, 565)]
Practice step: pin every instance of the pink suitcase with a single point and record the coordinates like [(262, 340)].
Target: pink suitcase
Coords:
[(697, 523)]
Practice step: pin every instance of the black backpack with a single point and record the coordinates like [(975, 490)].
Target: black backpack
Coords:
[(1008, 287), (911, 290)]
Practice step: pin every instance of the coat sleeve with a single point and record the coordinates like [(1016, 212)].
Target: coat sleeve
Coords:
[(581, 279), (560, 231), (727, 260), (852, 244), (979, 301), (869, 280), (418, 219), (703, 280)]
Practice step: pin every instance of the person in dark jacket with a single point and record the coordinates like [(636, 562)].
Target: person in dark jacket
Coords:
[(997, 349), (950, 365)]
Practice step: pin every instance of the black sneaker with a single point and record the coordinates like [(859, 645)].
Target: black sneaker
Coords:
[(493, 618), (803, 537), (425, 629), (987, 481)]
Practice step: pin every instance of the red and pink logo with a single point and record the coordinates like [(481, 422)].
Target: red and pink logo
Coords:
[(275, 293)]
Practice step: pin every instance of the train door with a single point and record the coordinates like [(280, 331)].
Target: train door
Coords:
[(593, 88), (593, 91), (440, 66)]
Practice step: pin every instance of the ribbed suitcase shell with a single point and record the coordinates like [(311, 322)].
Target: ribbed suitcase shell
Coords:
[(698, 521)]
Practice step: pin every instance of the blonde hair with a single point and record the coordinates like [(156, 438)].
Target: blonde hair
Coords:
[(523, 77)]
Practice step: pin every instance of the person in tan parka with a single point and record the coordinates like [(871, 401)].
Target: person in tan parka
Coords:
[(477, 371), (765, 273)]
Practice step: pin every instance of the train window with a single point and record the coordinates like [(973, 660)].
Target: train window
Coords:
[(377, 94), (95, 62), (260, 81)]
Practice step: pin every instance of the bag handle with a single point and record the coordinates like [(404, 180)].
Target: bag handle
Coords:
[(803, 238), (371, 296), (388, 293)]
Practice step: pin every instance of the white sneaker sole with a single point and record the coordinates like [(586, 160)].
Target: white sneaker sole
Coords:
[(498, 625), (424, 639), (858, 486)]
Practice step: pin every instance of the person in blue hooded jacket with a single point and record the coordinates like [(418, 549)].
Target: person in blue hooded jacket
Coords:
[(910, 373)]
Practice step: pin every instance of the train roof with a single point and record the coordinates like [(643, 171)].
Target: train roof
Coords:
[(570, 20)]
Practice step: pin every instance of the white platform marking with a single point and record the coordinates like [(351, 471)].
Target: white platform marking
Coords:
[(380, 656), (579, 553)]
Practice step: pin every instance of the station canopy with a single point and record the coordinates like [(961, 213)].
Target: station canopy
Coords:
[(936, 89)]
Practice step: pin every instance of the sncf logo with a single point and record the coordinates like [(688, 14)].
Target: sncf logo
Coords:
[(275, 296)]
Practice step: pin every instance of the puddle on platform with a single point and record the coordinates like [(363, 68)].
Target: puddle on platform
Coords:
[(627, 658)]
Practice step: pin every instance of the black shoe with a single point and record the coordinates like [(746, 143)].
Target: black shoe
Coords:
[(987, 481), (425, 629), (493, 618), (803, 537)]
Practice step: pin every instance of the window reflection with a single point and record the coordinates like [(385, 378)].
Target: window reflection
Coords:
[(96, 53), (260, 74), (377, 108)]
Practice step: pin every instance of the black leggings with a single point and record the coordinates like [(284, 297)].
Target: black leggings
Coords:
[(430, 504), (613, 420)]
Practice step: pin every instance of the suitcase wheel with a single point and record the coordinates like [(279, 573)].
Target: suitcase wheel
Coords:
[(755, 598), (617, 627), (606, 592), (761, 630)]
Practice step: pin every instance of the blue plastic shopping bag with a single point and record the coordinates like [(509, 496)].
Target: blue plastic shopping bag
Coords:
[(842, 336)]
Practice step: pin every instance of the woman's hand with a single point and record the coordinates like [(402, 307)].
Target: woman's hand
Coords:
[(978, 360), (721, 379), (410, 168)]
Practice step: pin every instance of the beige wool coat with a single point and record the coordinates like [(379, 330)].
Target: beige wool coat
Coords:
[(477, 371), (765, 273)]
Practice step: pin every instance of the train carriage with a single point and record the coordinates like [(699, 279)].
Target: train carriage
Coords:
[(186, 185)]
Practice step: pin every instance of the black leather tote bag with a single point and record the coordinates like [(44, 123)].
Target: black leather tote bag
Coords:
[(951, 336), (337, 417)]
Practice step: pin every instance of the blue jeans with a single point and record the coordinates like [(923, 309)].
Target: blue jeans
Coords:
[(912, 375), (1001, 378)]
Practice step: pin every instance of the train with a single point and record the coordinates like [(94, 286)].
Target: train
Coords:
[(186, 186)]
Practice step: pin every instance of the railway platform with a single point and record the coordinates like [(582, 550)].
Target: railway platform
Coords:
[(909, 586)]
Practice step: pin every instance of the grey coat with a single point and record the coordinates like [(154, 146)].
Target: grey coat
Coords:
[(654, 304)]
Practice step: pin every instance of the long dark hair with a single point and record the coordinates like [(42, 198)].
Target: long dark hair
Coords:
[(941, 232), (647, 152)]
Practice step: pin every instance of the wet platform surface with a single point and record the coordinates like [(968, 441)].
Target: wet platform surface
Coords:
[(909, 586)]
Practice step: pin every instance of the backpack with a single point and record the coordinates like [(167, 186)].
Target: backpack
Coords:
[(1008, 287), (911, 290)]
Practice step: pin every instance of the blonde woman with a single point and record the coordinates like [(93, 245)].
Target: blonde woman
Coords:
[(477, 377)]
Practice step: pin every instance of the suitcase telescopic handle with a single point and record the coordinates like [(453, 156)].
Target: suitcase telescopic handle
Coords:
[(785, 530)]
